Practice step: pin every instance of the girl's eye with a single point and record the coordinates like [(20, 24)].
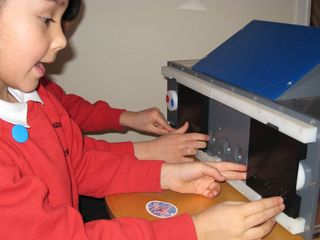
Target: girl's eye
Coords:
[(46, 20)]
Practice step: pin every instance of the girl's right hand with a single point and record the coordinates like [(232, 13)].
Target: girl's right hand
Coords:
[(175, 147), (238, 220)]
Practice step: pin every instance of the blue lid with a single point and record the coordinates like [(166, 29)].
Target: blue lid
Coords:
[(265, 58)]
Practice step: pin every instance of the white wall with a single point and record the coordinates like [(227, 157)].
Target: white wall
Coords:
[(118, 48)]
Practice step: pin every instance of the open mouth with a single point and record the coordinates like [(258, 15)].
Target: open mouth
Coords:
[(40, 69)]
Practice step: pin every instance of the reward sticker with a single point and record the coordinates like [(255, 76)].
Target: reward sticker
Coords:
[(161, 209)]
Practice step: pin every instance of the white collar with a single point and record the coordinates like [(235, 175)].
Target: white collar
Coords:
[(16, 113)]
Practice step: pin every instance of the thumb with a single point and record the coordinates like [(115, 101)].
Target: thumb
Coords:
[(183, 128)]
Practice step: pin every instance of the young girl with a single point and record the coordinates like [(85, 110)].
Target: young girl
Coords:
[(44, 163)]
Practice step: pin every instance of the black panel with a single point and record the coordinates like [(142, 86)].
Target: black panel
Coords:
[(193, 107), (273, 163)]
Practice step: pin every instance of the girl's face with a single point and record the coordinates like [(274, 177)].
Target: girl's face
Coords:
[(30, 35)]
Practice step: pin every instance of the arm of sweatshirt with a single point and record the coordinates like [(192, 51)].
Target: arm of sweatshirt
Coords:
[(179, 227), (95, 117), (100, 173), (28, 212), (120, 148)]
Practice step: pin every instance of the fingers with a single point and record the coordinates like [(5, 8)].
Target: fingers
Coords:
[(214, 189), (258, 216), (263, 216), (186, 159), (262, 205), (183, 128), (162, 125), (191, 142), (212, 172), (196, 143), (229, 170), (195, 137), (149, 120), (159, 131), (234, 175), (191, 136), (188, 151), (234, 203), (227, 166), (190, 147), (208, 187), (260, 231)]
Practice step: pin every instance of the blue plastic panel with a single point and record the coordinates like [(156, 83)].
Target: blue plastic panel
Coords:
[(265, 58)]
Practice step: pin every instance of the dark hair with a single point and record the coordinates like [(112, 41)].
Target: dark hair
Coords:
[(72, 10)]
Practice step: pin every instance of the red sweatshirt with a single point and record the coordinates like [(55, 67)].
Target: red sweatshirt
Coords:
[(40, 180), (95, 117)]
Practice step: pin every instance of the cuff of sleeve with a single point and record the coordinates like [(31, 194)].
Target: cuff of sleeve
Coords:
[(106, 117), (147, 176), (179, 227), (116, 115)]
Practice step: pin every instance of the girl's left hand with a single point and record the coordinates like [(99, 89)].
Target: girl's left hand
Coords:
[(200, 177), (150, 120)]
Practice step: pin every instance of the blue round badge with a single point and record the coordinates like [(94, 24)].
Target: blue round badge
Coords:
[(20, 133), (161, 209)]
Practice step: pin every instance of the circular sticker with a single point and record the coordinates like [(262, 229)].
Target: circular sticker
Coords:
[(161, 209), (20, 133)]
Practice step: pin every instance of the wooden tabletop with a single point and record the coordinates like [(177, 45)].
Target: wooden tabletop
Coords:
[(134, 205)]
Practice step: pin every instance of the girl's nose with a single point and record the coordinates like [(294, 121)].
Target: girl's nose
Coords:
[(59, 41)]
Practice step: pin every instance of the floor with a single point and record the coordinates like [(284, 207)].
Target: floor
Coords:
[(93, 209)]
